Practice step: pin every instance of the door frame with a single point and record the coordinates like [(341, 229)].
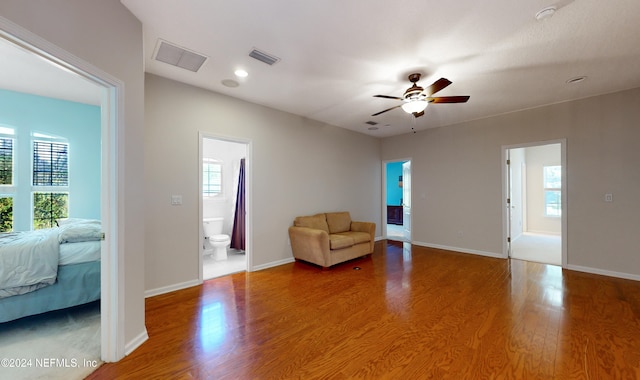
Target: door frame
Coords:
[(384, 195), (248, 198), (506, 187), (112, 132)]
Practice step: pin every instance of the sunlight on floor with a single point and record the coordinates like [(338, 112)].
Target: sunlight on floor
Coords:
[(541, 248)]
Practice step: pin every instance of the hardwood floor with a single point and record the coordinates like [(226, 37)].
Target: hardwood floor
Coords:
[(414, 313)]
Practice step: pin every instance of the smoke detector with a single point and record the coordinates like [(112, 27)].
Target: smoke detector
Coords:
[(546, 13)]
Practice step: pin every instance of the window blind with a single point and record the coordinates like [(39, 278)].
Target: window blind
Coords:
[(6, 161), (50, 164)]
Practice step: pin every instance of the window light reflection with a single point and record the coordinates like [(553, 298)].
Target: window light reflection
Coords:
[(212, 326)]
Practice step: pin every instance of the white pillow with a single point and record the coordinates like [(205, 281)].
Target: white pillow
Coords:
[(65, 221)]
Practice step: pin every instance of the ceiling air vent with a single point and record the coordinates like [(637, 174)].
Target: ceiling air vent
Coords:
[(263, 57), (370, 122), (179, 57)]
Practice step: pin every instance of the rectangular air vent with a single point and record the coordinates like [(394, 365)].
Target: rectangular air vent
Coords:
[(371, 122), (263, 57), (179, 57)]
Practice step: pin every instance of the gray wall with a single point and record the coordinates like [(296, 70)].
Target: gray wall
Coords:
[(457, 179), (298, 167)]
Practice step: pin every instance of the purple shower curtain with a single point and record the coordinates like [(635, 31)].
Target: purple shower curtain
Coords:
[(237, 235)]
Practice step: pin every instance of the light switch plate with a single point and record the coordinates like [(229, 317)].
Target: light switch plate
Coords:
[(176, 200), (608, 197)]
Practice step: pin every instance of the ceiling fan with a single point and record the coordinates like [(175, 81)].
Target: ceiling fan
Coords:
[(416, 99)]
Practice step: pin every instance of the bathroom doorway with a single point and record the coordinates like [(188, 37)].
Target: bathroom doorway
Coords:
[(224, 206)]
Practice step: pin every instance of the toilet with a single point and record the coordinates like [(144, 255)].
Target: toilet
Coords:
[(214, 238)]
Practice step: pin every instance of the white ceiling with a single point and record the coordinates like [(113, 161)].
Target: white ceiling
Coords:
[(336, 54), (24, 71)]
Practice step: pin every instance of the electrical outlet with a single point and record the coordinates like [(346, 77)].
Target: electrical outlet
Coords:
[(176, 200), (608, 197)]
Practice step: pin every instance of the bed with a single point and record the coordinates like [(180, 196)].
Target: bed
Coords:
[(49, 269)]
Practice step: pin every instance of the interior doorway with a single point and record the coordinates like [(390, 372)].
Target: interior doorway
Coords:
[(397, 200), (535, 194), (224, 206), (108, 89)]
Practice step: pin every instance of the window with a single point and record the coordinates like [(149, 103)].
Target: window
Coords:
[(7, 144), (50, 182), (6, 161), (47, 207), (211, 178), (552, 178), (6, 214)]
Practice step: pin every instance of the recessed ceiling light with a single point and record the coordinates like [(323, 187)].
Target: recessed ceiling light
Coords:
[(241, 73), (230, 83), (579, 79), (545, 13), (373, 128)]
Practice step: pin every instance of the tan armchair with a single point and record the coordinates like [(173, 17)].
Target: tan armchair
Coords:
[(330, 238)]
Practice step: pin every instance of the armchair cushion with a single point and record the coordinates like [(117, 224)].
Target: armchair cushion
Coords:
[(339, 241), (339, 222), (318, 222)]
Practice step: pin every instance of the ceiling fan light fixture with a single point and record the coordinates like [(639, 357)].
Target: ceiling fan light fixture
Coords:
[(415, 106)]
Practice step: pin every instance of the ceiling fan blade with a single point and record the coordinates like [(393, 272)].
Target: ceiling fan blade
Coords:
[(388, 109), (437, 86), (387, 97), (448, 99)]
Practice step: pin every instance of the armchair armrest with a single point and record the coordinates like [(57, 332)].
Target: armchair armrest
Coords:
[(310, 245), (367, 227)]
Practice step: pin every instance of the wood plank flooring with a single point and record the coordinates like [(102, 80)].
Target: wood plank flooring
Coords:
[(407, 313)]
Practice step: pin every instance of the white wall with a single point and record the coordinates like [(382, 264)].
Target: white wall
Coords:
[(299, 167), (94, 31), (457, 178)]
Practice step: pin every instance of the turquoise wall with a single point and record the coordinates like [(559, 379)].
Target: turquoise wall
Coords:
[(80, 124), (394, 192)]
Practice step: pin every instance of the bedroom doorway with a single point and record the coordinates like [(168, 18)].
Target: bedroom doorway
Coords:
[(397, 200), (38, 51), (535, 193), (225, 210)]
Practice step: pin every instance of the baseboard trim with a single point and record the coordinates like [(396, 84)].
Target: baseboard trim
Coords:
[(170, 288), (577, 268), (603, 272), (136, 342), (461, 250), (273, 264)]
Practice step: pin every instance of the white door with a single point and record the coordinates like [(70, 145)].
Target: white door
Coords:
[(508, 202), (406, 201)]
